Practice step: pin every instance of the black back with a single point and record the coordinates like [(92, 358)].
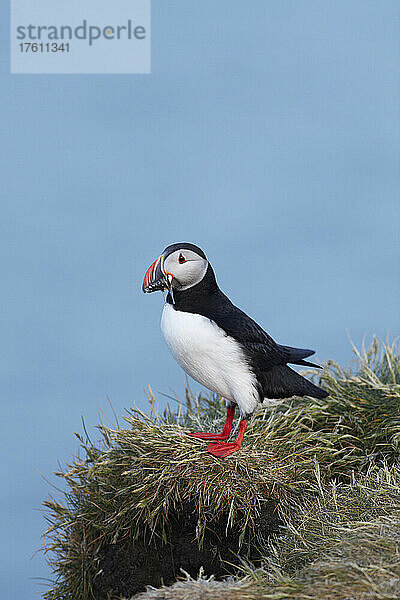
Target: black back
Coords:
[(267, 359), (206, 299)]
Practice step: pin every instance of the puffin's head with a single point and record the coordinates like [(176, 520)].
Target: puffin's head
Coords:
[(180, 266)]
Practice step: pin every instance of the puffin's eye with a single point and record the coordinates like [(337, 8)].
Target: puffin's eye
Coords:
[(181, 259)]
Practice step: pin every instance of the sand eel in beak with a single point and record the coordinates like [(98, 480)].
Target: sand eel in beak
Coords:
[(219, 345)]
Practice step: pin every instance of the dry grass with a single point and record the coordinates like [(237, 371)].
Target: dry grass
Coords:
[(344, 545), (204, 588), (286, 513)]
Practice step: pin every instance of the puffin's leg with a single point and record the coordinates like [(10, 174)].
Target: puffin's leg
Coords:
[(230, 413), (222, 449)]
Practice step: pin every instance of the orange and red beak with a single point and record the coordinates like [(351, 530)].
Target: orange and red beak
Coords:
[(156, 279)]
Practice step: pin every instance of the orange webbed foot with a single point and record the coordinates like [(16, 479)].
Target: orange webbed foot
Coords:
[(223, 449), (200, 435), (225, 433)]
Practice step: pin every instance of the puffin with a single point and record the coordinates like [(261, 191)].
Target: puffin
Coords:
[(219, 345)]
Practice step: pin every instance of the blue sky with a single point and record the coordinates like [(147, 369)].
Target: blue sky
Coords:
[(268, 134)]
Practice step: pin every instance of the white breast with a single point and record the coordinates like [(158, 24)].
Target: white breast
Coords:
[(210, 356)]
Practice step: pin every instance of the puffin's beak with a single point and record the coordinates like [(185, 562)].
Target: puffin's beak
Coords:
[(156, 279)]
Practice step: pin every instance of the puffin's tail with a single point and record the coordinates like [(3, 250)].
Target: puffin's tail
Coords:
[(295, 356), (282, 382)]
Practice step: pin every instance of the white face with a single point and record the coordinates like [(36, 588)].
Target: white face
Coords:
[(187, 267)]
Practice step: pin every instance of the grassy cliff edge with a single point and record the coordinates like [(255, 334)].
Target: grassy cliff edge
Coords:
[(309, 508)]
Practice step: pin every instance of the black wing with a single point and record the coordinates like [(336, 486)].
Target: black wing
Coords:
[(261, 350)]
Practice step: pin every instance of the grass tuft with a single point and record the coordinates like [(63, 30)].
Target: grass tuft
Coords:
[(286, 515)]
